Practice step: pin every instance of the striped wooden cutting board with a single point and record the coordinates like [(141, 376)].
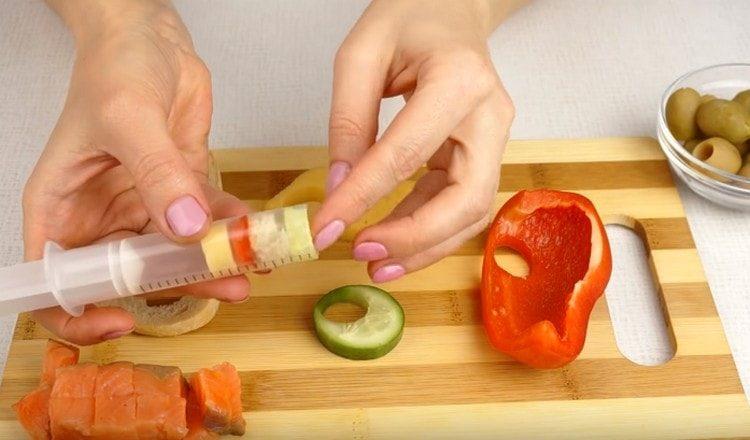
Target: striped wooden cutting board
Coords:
[(443, 380)]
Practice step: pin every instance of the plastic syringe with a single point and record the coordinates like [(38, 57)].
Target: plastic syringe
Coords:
[(146, 263)]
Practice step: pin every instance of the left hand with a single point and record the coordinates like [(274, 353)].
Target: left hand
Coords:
[(456, 121)]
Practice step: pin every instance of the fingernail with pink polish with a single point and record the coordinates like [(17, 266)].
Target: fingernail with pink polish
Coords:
[(329, 234), (370, 251), (186, 216), (336, 174), (116, 334), (388, 272)]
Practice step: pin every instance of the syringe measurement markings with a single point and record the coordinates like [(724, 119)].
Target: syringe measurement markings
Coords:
[(232, 271)]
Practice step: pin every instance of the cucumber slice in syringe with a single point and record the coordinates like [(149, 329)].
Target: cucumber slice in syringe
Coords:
[(371, 336)]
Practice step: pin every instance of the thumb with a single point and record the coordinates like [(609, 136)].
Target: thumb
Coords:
[(168, 187)]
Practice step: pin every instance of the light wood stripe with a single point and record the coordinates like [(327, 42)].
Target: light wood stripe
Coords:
[(422, 309), (723, 416), (516, 152), (677, 266), (291, 350), (514, 177), (655, 418), (660, 233)]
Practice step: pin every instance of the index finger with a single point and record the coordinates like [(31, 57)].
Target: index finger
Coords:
[(97, 324), (418, 130)]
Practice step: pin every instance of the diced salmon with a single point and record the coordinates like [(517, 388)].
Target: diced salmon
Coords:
[(218, 395), (77, 381), (123, 401), (57, 355), (33, 412), (156, 379), (71, 406), (161, 417), (160, 402), (114, 403)]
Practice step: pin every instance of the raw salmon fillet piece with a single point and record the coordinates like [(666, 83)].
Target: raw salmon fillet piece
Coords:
[(114, 403), (160, 402), (160, 416), (75, 381), (71, 406), (57, 355), (218, 395), (33, 412)]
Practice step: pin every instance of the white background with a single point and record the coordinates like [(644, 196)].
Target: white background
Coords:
[(575, 68)]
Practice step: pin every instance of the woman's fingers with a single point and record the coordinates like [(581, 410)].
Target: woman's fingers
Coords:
[(169, 188), (97, 324), (391, 269), (232, 290), (358, 81), (223, 204), (418, 130), (470, 186)]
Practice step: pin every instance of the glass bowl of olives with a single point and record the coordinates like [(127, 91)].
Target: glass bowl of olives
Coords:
[(704, 130)]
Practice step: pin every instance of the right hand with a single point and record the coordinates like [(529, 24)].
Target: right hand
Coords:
[(129, 152)]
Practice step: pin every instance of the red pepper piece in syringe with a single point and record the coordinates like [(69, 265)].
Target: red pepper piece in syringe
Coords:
[(239, 240)]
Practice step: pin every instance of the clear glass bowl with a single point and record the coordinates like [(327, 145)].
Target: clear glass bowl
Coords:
[(730, 190)]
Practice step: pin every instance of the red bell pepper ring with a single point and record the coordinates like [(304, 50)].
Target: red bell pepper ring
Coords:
[(541, 319)]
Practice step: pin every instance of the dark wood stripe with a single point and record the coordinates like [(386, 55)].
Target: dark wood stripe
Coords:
[(665, 233), (485, 382), (370, 386), (422, 308), (257, 184), (566, 175), (688, 300)]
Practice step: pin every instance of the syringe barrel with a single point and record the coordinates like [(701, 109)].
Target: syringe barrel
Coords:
[(147, 263)]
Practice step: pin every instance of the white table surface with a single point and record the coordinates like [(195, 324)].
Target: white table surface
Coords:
[(575, 68)]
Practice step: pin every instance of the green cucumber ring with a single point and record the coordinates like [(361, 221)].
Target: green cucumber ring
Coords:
[(369, 337)]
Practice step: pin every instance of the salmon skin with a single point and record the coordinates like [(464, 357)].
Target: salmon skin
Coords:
[(196, 430), (218, 396), (124, 401)]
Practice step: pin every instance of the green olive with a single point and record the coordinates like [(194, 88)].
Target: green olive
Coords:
[(706, 98), (743, 147), (681, 108), (744, 99), (719, 153), (692, 143), (725, 119)]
